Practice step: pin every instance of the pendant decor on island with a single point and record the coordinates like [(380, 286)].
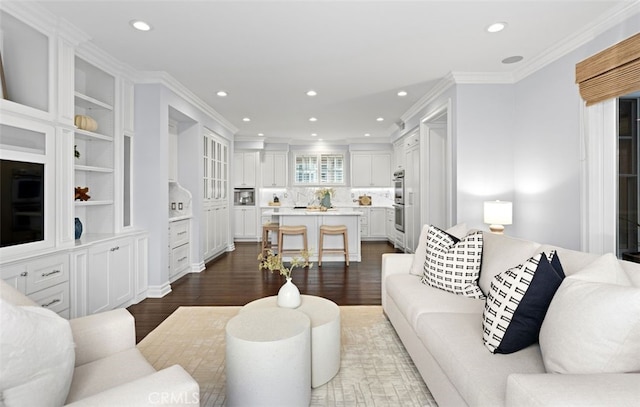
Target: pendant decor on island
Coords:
[(289, 295)]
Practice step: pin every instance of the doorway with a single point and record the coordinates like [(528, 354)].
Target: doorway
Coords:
[(437, 171), (628, 182)]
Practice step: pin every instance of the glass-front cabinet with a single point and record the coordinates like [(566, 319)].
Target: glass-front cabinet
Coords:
[(628, 221)]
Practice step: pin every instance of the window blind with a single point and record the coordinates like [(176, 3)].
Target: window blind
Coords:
[(610, 73)]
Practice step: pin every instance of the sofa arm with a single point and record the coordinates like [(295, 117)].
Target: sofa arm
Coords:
[(99, 335), (573, 390), (171, 386), (396, 263)]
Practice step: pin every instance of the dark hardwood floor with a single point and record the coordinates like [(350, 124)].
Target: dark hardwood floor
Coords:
[(234, 279)]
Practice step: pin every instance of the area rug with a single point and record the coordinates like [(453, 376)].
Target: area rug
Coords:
[(375, 369)]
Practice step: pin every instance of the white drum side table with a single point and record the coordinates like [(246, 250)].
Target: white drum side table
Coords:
[(325, 333), (268, 358)]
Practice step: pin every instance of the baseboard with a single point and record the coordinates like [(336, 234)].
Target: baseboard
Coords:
[(197, 267), (158, 291)]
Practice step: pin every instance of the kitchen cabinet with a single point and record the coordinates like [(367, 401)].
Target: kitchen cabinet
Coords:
[(245, 166), (274, 169), (412, 221), (390, 224), (372, 223), (370, 169), (216, 230), (398, 155), (245, 223)]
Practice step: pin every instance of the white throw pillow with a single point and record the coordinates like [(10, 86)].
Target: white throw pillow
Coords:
[(592, 327), (605, 269), (36, 356), (417, 265), (453, 264)]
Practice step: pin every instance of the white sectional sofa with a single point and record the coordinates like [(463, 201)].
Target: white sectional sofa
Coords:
[(443, 332), (46, 360)]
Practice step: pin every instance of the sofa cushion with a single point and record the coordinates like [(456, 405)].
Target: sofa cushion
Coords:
[(518, 301), (592, 327), (455, 341), (453, 264), (500, 253), (414, 299), (420, 256), (572, 260), (605, 269), (102, 374), (36, 356)]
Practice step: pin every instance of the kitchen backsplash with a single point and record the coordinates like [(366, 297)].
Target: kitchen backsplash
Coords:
[(343, 196)]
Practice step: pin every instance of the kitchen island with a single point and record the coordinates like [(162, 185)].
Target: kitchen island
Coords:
[(313, 219)]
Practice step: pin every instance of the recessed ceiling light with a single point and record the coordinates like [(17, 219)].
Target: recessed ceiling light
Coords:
[(402, 93), (261, 134), (140, 25), (246, 119), (513, 59), (222, 93), (380, 119), (496, 27), (319, 139), (311, 93), (314, 134), (313, 119), (367, 135)]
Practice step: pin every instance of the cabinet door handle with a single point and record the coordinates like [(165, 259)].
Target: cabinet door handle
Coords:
[(24, 274), (182, 233), (47, 305), (182, 259), (50, 273), (113, 249)]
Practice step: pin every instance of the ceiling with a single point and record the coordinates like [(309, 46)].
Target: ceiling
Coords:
[(355, 54)]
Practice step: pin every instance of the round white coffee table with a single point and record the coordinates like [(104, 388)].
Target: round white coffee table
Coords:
[(325, 333), (268, 358)]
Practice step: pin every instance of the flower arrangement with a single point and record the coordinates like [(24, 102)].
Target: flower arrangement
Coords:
[(322, 192), (273, 262)]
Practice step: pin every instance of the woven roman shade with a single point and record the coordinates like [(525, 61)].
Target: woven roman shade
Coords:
[(611, 73)]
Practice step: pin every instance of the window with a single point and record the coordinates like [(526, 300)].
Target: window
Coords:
[(319, 169)]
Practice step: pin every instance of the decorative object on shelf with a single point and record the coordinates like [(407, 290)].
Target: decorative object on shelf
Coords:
[(78, 228), (76, 153), (324, 195), (288, 295), (3, 89), (85, 123), (81, 194), (275, 198)]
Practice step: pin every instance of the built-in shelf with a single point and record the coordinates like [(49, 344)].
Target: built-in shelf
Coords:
[(88, 102), (90, 136), (93, 168), (94, 203)]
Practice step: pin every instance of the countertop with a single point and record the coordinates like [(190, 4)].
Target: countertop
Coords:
[(312, 212)]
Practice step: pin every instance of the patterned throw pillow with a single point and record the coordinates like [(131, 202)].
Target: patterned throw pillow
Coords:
[(518, 301), (453, 264)]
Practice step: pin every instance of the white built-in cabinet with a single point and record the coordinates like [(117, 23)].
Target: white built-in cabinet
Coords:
[(53, 75), (373, 223), (274, 169), (370, 169), (245, 169), (398, 155), (245, 222), (412, 222), (215, 194), (390, 224), (179, 248)]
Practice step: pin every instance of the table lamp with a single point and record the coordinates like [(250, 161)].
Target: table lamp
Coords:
[(497, 214)]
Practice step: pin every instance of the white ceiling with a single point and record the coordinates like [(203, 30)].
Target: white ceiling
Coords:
[(356, 54)]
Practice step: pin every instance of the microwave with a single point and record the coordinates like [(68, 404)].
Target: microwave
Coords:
[(244, 196)]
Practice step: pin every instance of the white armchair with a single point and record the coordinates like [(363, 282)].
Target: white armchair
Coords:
[(108, 370)]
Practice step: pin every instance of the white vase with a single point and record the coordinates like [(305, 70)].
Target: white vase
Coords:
[(289, 295)]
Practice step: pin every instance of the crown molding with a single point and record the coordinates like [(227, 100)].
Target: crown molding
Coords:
[(161, 77), (571, 43), (438, 89)]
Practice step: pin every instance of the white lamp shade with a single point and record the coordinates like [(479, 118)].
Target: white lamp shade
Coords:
[(498, 212)]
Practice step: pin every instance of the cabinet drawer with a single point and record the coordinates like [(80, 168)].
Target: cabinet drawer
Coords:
[(46, 272), (55, 298), (179, 233), (179, 258)]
